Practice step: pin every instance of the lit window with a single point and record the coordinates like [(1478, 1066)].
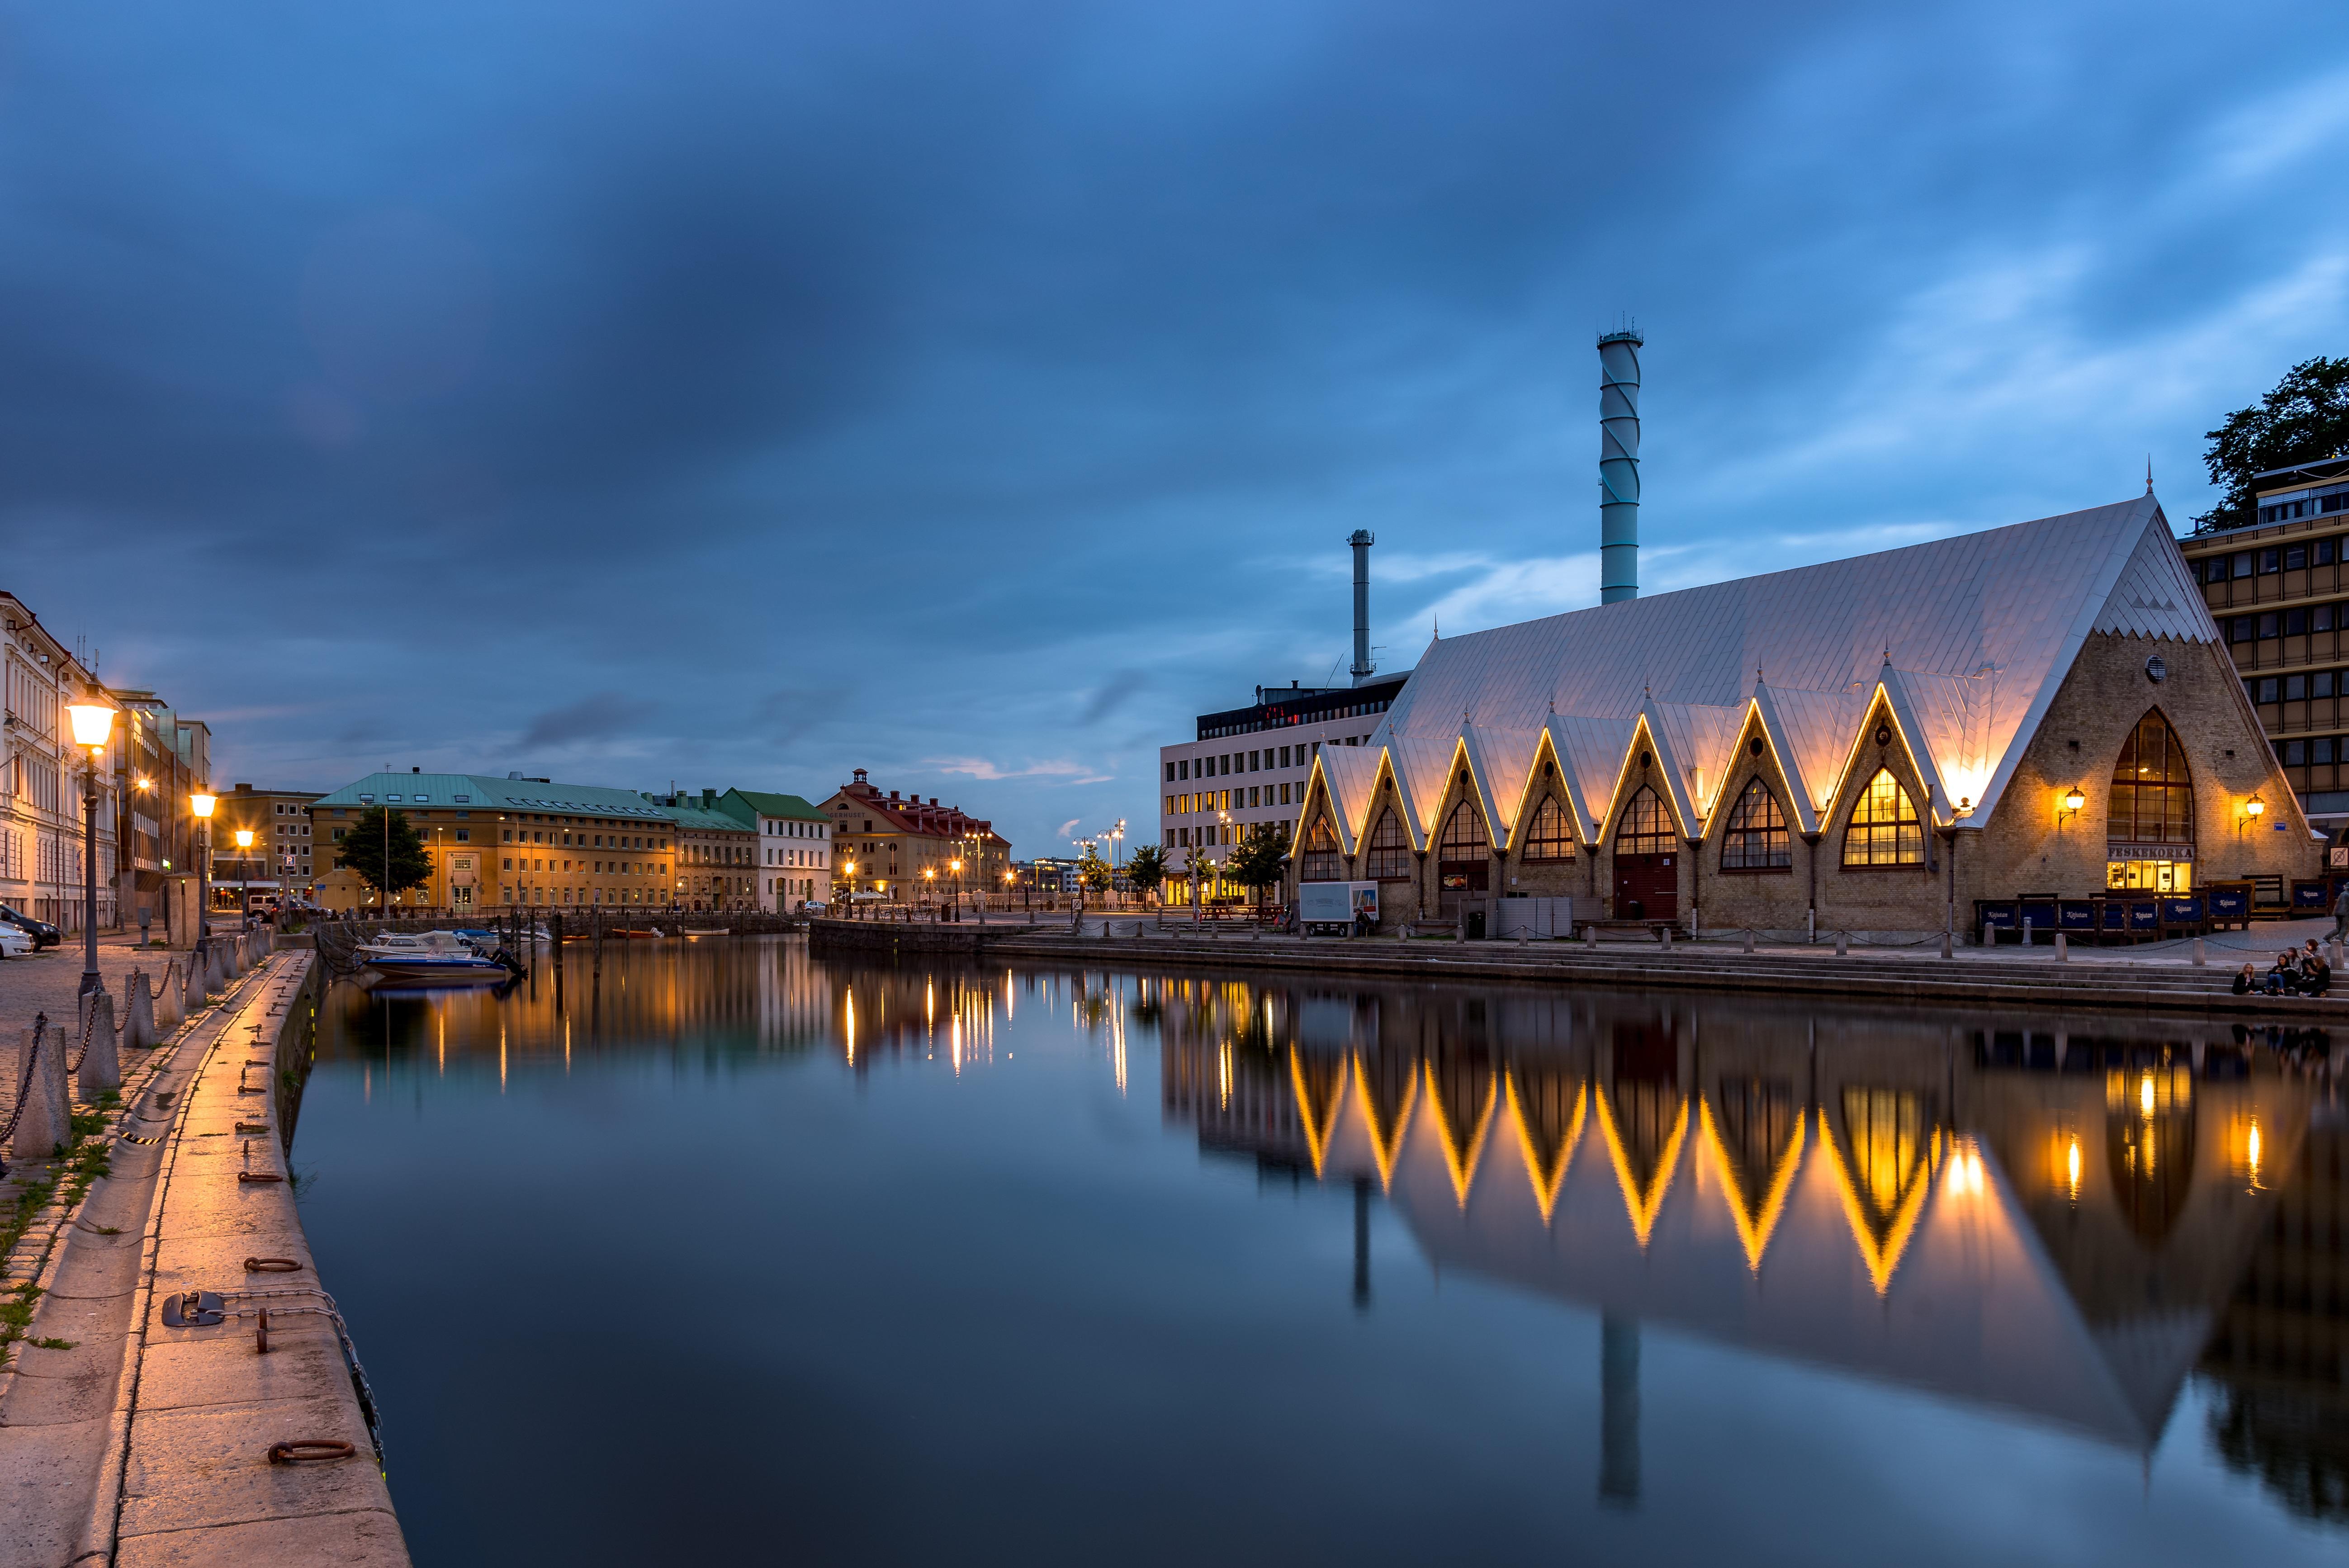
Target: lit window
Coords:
[(1756, 839), (1549, 838), (1883, 828)]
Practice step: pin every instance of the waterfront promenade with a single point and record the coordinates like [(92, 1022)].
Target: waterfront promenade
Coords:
[(126, 1439)]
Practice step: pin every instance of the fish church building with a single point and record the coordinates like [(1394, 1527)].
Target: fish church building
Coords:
[(1870, 744)]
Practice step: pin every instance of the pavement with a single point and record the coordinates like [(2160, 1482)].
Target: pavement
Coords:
[(48, 980)]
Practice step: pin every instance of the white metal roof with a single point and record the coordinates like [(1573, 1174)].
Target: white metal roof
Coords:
[(1967, 639)]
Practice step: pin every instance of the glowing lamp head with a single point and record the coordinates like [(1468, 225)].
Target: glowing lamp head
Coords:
[(92, 722), (202, 804), (244, 838), (2072, 799), (2254, 806)]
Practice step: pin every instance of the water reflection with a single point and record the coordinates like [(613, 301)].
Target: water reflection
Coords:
[(2061, 1220), (2047, 1220)]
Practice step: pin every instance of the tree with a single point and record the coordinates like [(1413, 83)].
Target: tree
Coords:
[(1146, 870), (2305, 417), (1093, 872), (363, 846), (1260, 857), (1200, 867)]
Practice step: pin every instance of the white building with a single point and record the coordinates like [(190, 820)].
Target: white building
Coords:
[(794, 846), (41, 865), (1249, 765)]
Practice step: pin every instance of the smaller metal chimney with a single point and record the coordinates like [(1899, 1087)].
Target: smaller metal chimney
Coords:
[(1618, 466), (1362, 542)]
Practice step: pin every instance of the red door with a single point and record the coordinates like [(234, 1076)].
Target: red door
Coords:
[(1647, 887)]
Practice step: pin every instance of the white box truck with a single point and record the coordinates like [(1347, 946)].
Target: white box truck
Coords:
[(1329, 908)]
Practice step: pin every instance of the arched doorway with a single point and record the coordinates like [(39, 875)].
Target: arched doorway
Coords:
[(2150, 818), (1647, 861), (1463, 860)]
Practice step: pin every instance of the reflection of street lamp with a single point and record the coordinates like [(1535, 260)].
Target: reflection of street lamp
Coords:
[(244, 871), (200, 806), (92, 723)]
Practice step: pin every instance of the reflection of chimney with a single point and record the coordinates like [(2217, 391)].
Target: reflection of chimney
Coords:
[(1618, 466), (1361, 541), (1361, 1243), (1619, 1411)]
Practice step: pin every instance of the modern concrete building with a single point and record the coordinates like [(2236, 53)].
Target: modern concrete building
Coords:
[(164, 759), (2279, 592), (910, 849), (279, 864), (1870, 744), (794, 849)]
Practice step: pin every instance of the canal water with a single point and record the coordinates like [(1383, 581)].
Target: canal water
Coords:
[(732, 1256)]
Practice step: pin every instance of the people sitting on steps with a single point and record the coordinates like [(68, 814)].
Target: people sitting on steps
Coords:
[(2246, 982), (2282, 978), (2316, 974)]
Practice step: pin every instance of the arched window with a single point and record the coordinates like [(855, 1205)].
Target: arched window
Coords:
[(1463, 835), (2153, 794), (1320, 862), (1549, 838), (1645, 827), (1390, 856), (1756, 837), (1883, 828)]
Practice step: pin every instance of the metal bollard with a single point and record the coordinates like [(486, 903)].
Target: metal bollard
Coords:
[(1990, 935), (1590, 935), (1945, 942), (1749, 939), (2201, 954), (2063, 948), (1843, 944), (2026, 931), (1665, 935)]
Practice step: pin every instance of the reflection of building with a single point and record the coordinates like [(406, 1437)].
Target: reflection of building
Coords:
[(2050, 1223), (1870, 743), (2280, 1362), (909, 848)]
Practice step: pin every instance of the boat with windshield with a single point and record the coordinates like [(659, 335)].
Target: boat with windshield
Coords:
[(441, 956)]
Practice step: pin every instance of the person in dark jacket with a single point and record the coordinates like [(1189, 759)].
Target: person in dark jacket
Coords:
[(2316, 974), (2246, 982)]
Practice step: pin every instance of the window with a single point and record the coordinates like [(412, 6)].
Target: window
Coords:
[(2267, 692), (2295, 622), (2321, 618), (1645, 827), (1169, 805), (1284, 756), (2268, 627), (2239, 629), (1390, 856), (1170, 773), (2295, 557), (2243, 564), (1254, 762), (2267, 562), (2319, 750), (2295, 753), (1181, 771), (2153, 794), (1463, 835), (464, 835), (1253, 792), (1757, 839), (2296, 688), (1883, 828), (2321, 684), (1284, 794), (1548, 837), (1320, 863)]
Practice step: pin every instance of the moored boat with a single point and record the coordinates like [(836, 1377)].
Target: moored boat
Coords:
[(443, 957)]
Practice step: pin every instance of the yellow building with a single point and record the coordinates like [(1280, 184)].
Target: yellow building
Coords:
[(912, 851)]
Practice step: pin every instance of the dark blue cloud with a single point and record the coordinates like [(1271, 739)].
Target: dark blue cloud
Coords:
[(751, 393)]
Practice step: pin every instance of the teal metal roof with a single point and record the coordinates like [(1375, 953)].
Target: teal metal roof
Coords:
[(474, 792), (750, 804), (694, 817)]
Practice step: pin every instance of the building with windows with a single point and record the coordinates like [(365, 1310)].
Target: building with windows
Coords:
[(42, 777), (164, 759), (911, 848), (2279, 592), (794, 847), (717, 854), (1869, 744), (509, 841), (1248, 767), (279, 864)]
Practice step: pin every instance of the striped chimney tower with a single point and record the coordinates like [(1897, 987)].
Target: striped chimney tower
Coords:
[(1618, 466)]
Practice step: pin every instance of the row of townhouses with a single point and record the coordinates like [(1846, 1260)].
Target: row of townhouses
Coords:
[(147, 839)]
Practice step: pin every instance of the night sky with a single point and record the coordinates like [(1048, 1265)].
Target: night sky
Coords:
[(975, 393)]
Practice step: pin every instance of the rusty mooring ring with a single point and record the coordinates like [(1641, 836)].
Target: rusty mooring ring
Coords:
[(272, 1266), (258, 1176), (309, 1450)]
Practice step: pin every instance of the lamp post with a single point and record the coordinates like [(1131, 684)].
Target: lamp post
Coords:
[(92, 723), (245, 872), (200, 806)]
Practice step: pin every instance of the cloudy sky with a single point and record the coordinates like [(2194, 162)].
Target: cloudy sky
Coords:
[(975, 393)]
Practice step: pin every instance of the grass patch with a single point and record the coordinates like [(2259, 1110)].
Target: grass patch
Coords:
[(51, 1344)]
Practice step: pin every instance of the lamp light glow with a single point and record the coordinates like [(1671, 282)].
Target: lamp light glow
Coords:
[(92, 722), (202, 804)]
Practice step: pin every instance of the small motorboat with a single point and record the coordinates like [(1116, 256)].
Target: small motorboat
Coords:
[(444, 958), (646, 932)]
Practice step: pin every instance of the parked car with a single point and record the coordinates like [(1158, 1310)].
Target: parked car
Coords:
[(44, 934), (13, 943)]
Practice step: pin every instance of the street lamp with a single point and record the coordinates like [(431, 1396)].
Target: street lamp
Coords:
[(92, 723), (245, 872), (200, 806)]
